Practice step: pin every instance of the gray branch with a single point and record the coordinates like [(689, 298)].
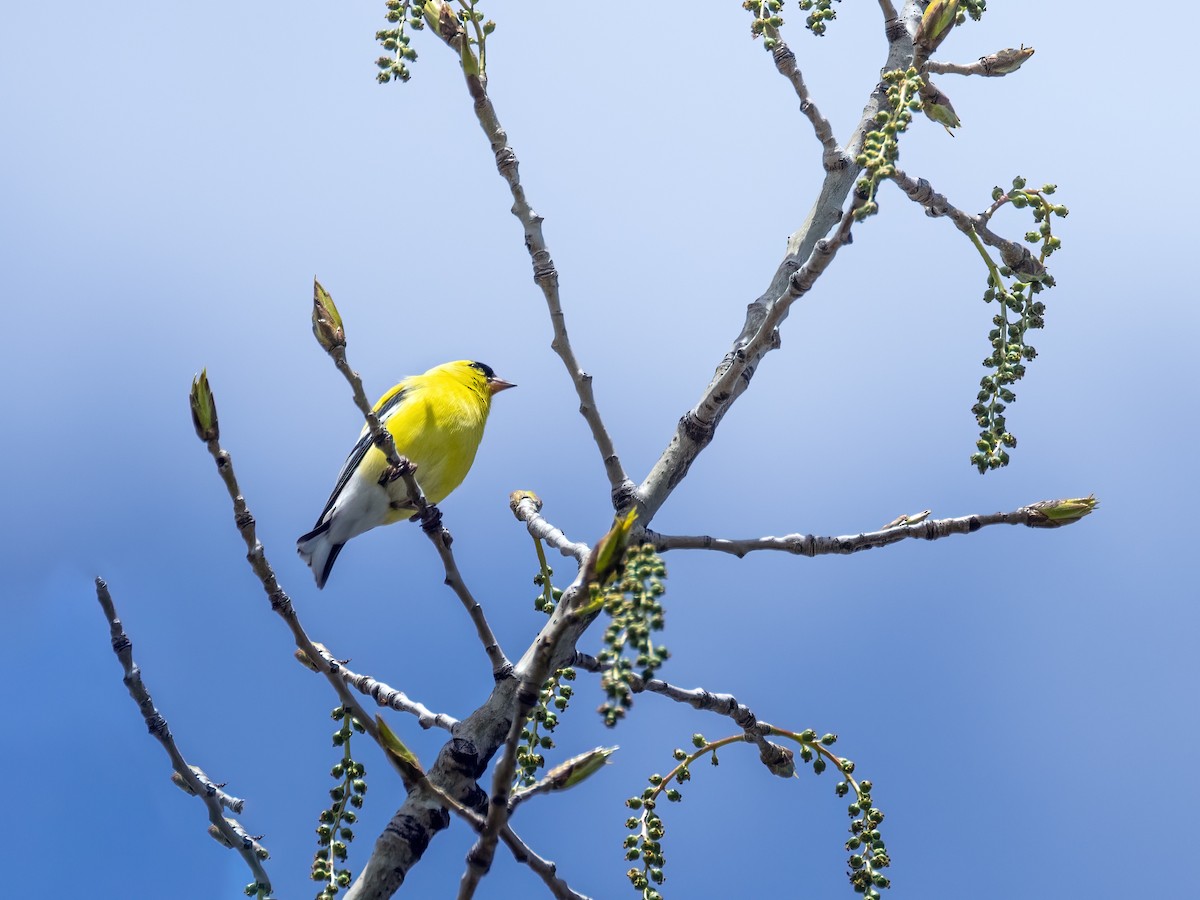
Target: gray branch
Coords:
[(1014, 254), (1032, 516), (785, 62), (392, 698), (526, 506), (532, 672), (545, 275), (226, 830), (771, 754)]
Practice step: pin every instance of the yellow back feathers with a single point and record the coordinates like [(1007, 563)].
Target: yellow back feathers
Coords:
[(436, 420)]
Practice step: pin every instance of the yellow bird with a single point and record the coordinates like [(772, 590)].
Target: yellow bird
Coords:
[(436, 420)]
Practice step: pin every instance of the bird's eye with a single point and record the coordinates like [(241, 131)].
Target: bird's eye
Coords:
[(488, 372)]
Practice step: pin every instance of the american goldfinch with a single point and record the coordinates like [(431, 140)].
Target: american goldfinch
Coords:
[(436, 420)]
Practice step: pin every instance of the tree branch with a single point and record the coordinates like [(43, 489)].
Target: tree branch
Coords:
[(545, 275), (1015, 255), (532, 672), (226, 830), (395, 699), (1034, 516), (785, 62), (543, 868), (889, 13), (771, 754), (526, 506)]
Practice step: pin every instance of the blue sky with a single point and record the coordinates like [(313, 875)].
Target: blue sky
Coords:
[(173, 178)]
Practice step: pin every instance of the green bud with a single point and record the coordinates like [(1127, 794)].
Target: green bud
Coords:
[(937, 107), (404, 758), (579, 768), (326, 321), (935, 24), (204, 408), (1005, 62), (1056, 513)]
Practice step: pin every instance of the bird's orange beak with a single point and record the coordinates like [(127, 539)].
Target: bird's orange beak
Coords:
[(496, 385)]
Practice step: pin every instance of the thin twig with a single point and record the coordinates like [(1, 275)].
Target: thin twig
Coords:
[(527, 508), (228, 830), (1015, 255), (755, 731), (532, 672), (545, 275), (392, 698), (785, 62), (815, 545), (281, 603), (544, 868), (994, 65)]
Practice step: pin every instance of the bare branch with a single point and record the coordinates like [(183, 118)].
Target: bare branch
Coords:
[(545, 275), (545, 869), (227, 830), (395, 699), (785, 62), (771, 754), (1033, 516), (532, 672), (1014, 254), (526, 506)]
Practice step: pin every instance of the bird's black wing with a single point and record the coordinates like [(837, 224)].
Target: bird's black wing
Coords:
[(360, 450)]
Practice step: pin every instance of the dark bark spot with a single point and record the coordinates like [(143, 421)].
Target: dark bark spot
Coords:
[(696, 431), (465, 757), (476, 798)]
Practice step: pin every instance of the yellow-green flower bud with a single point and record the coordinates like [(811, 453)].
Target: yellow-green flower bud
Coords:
[(1003, 62), (326, 321), (1056, 513), (404, 758), (935, 25), (204, 408), (578, 768), (938, 107)]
